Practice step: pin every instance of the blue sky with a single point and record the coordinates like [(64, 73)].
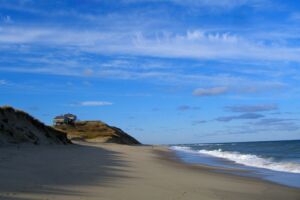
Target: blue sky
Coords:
[(165, 71)]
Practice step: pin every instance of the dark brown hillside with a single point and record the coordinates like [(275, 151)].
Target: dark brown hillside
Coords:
[(19, 127)]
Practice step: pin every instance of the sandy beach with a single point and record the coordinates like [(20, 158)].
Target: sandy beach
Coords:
[(108, 171)]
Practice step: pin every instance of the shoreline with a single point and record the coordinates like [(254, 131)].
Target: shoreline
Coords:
[(240, 168), (236, 172), (110, 171)]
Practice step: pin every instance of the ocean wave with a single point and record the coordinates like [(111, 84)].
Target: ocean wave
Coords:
[(182, 148), (247, 159)]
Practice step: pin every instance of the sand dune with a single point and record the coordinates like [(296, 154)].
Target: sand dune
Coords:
[(18, 127), (108, 171), (97, 131)]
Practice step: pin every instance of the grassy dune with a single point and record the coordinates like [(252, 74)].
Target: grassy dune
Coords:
[(96, 131)]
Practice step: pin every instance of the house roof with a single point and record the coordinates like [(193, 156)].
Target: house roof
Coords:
[(69, 115), (65, 116), (59, 117)]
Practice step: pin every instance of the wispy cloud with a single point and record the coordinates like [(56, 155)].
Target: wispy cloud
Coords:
[(93, 103), (295, 16), (201, 44), (197, 122), (235, 85), (274, 121), (3, 82), (6, 19), (224, 4), (240, 117), (210, 91), (197, 44), (252, 108), (240, 86), (187, 107), (278, 124), (263, 126)]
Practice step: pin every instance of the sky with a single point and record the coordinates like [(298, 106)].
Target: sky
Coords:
[(165, 71)]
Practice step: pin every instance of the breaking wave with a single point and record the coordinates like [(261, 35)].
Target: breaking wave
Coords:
[(246, 159)]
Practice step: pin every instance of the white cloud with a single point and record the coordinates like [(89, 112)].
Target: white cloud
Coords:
[(220, 3), (92, 103), (196, 44), (7, 19), (3, 82), (239, 117), (209, 3), (217, 45), (88, 72), (210, 91), (252, 108), (226, 83), (95, 103), (237, 85), (295, 16)]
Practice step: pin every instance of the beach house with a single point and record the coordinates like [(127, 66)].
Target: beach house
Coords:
[(64, 119)]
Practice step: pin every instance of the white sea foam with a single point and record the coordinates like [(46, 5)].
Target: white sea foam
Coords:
[(247, 159), (182, 148)]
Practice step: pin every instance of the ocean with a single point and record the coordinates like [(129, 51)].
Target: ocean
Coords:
[(276, 161)]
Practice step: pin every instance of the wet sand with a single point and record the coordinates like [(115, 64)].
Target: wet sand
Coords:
[(108, 171)]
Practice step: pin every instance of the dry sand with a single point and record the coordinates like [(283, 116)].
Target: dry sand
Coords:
[(105, 171)]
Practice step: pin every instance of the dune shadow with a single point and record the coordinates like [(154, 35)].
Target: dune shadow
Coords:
[(55, 169)]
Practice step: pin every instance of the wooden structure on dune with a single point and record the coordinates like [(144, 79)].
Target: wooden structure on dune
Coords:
[(64, 119)]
